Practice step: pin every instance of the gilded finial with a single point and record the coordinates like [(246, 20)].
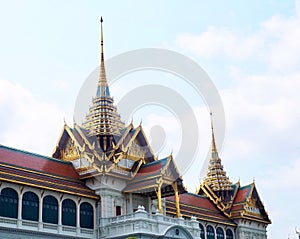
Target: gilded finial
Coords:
[(213, 144), (102, 89)]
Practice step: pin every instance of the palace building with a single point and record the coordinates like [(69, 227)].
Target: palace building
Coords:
[(103, 181)]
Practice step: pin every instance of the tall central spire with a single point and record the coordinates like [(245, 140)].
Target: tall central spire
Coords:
[(103, 120), (102, 89)]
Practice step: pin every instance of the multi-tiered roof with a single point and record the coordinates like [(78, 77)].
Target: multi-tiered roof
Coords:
[(103, 118), (216, 177), (103, 145)]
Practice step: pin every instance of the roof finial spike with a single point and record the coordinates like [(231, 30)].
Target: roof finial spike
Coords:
[(102, 89), (213, 143)]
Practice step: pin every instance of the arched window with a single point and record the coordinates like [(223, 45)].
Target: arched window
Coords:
[(50, 210), (210, 232), (229, 234), (86, 215), (9, 203), (30, 208), (201, 231), (69, 213), (220, 233)]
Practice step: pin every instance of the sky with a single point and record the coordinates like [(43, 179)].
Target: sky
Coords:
[(249, 49)]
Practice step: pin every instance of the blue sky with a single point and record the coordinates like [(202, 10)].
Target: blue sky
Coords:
[(250, 49)]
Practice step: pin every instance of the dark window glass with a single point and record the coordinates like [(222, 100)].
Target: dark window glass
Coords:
[(118, 210), (229, 234), (210, 232), (201, 231), (220, 233), (9, 203), (69, 213), (30, 206), (86, 215), (50, 210)]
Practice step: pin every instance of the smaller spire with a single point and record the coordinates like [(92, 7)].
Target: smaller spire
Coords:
[(213, 142), (216, 176)]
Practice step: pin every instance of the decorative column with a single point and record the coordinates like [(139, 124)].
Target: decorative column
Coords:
[(158, 193), (130, 203), (20, 209), (40, 212), (60, 215), (78, 217), (177, 203)]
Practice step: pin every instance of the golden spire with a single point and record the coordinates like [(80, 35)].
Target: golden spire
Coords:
[(216, 177), (102, 89), (213, 142), (103, 118)]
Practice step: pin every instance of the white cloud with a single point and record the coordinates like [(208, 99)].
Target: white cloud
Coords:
[(275, 43), (216, 42), (283, 35), (26, 122)]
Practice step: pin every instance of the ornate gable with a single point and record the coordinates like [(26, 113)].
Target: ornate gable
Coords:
[(247, 205), (70, 151)]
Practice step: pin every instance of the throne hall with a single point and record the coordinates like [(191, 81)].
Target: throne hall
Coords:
[(104, 181)]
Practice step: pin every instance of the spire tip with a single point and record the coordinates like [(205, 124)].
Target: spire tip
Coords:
[(101, 19)]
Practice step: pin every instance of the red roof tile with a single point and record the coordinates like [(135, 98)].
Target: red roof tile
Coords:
[(34, 170), (241, 195), (37, 162), (199, 206)]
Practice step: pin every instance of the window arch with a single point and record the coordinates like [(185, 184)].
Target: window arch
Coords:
[(30, 206), (201, 231), (229, 234), (9, 203), (69, 213), (50, 210), (86, 215), (210, 232), (220, 233)]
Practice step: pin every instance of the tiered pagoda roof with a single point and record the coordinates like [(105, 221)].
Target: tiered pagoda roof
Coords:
[(216, 177), (103, 118), (103, 145), (199, 206), (160, 172)]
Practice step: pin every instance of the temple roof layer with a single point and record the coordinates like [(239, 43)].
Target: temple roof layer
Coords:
[(216, 177), (247, 205), (103, 118), (160, 173), (198, 206), (35, 170)]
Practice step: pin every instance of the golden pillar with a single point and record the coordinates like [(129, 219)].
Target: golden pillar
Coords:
[(177, 203), (158, 193)]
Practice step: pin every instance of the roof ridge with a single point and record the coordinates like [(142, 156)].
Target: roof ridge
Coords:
[(199, 196), (155, 162), (245, 186)]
